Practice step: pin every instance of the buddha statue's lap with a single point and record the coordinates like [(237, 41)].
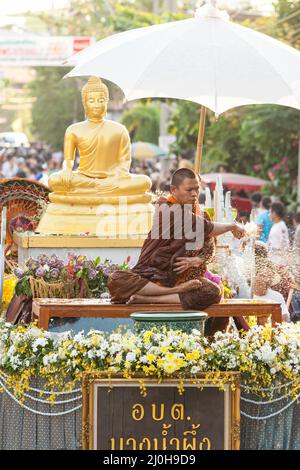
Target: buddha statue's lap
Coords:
[(102, 176), (81, 184)]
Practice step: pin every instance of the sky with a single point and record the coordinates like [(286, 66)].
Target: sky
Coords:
[(19, 6)]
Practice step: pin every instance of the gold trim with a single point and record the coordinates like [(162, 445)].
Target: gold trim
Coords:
[(91, 379), (24, 240)]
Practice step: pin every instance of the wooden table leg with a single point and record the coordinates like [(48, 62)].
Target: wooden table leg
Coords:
[(43, 321), (276, 315)]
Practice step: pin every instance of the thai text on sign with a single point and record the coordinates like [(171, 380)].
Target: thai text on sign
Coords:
[(199, 419)]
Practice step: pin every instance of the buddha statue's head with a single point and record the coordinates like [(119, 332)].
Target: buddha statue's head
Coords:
[(94, 99)]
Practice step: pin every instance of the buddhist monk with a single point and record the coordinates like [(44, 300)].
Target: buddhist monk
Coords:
[(168, 271)]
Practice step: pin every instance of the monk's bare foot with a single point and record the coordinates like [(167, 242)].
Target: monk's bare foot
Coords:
[(189, 285), (135, 299)]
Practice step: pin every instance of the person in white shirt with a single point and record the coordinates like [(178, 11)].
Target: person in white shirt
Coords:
[(10, 167), (262, 291), (278, 241)]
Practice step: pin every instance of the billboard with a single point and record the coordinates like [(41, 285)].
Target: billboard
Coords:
[(37, 50)]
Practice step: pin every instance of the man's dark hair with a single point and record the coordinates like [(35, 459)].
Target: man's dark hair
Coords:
[(179, 175), (266, 202), (256, 197), (296, 218), (278, 208)]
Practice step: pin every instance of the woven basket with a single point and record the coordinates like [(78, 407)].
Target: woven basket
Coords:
[(41, 289)]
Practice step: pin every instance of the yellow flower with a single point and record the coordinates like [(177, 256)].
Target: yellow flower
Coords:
[(151, 357), (163, 349), (8, 289), (192, 356), (169, 367), (147, 335)]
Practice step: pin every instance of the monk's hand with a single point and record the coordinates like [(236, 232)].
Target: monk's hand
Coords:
[(183, 263), (66, 176), (238, 231)]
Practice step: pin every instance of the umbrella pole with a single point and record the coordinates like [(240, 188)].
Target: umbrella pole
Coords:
[(200, 139)]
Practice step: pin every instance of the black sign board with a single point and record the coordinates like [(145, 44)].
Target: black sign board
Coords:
[(117, 417)]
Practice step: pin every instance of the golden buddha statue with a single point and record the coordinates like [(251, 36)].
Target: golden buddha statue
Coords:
[(102, 177)]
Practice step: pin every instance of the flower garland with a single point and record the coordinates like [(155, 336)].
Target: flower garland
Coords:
[(263, 356)]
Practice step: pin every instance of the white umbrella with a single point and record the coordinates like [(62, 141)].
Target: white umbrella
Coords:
[(206, 59)]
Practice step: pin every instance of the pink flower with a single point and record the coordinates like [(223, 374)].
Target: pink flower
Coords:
[(271, 175)]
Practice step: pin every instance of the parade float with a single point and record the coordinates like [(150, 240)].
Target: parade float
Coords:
[(55, 384), (244, 386)]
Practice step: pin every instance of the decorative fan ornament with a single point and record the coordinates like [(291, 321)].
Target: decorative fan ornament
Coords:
[(25, 201)]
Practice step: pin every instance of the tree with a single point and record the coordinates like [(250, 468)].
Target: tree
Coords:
[(60, 98), (288, 18), (51, 114), (142, 122)]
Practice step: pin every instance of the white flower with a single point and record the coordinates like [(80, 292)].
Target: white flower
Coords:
[(195, 369), (91, 353), (34, 332), (79, 336), (130, 357), (46, 360), (144, 360), (115, 348), (101, 353), (39, 342)]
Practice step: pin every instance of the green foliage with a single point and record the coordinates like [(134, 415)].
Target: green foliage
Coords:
[(57, 104), (288, 18), (23, 287), (184, 125), (142, 123)]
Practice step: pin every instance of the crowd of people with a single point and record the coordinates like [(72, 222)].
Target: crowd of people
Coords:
[(36, 162), (277, 254)]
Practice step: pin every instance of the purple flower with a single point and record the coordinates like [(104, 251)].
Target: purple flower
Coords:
[(54, 273), (53, 260), (32, 264), (72, 256), (40, 272), (19, 273), (43, 259), (92, 274)]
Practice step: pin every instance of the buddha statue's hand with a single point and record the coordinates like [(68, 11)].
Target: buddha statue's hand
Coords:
[(66, 177)]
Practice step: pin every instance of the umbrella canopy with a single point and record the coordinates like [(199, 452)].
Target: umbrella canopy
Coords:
[(206, 59), (146, 151), (234, 181)]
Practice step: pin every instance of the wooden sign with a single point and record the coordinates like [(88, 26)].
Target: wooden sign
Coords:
[(117, 417)]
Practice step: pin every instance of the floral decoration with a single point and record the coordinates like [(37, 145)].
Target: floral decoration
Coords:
[(262, 355), (83, 276)]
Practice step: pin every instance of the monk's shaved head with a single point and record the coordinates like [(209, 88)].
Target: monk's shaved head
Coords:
[(185, 186), (180, 175)]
